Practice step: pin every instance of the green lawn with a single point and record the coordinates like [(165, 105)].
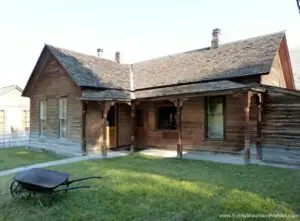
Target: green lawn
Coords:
[(143, 188), (20, 156)]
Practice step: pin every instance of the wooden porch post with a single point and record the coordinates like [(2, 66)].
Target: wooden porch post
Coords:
[(83, 128), (133, 123), (259, 127), (104, 140), (178, 104), (247, 129)]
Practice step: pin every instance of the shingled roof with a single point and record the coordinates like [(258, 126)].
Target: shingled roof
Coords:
[(92, 71), (252, 56), (241, 58)]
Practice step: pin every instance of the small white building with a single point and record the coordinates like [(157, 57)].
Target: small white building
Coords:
[(14, 115)]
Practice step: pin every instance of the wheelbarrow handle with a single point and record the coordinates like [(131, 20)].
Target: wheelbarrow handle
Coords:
[(72, 188), (86, 178)]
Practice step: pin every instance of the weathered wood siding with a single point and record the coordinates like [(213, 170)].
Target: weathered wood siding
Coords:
[(281, 120), (94, 127), (124, 124), (193, 126), (52, 83), (276, 76)]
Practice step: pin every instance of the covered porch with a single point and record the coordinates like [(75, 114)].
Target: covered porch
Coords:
[(217, 116)]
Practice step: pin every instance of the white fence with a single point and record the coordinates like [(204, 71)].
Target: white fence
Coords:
[(50, 143), (14, 139)]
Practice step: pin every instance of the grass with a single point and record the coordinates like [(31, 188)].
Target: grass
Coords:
[(20, 156), (145, 188)]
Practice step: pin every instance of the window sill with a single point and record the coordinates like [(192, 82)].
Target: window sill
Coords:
[(214, 139), (165, 130)]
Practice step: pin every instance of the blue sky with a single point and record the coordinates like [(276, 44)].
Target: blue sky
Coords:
[(139, 29)]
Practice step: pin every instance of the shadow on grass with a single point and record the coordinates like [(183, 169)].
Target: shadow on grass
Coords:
[(142, 188)]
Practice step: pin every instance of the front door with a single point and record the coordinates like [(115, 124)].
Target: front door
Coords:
[(111, 131)]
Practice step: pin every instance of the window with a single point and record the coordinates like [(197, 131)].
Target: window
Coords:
[(166, 117), (215, 117), (139, 118), (63, 117), (26, 120), (43, 117), (2, 122)]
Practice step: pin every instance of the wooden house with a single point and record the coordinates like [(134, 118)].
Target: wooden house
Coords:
[(223, 98)]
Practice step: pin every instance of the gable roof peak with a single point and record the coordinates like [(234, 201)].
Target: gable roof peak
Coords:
[(6, 89)]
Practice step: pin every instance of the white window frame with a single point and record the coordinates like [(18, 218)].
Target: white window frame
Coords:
[(43, 117), (26, 119), (4, 120), (219, 115), (63, 107)]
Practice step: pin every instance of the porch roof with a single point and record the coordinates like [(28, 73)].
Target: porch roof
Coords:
[(106, 95), (204, 88)]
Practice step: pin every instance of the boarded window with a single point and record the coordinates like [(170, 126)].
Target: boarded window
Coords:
[(215, 117), (43, 117), (166, 118), (63, 103), (2, 122), (139, 118), (26, 120)]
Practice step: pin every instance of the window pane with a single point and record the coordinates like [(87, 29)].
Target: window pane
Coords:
[(2, 116), (215, 118), (26, 119), (215, 126), (2, 128), (215, 105), (167, 118), (63, 108), (43, 110), (42, 128), (62, 128), (2, 122)]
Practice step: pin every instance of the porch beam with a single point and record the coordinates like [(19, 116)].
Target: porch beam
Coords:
[(178, 104), (106, 108), (259, 127), (248, 97)]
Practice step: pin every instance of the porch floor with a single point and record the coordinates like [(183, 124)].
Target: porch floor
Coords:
[(210, 156)]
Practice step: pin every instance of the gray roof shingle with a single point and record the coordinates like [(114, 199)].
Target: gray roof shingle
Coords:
[(92, 71), (106, 95), (241, 58)]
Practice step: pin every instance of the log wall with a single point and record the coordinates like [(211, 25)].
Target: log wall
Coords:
[(281, 120), (193, 126)]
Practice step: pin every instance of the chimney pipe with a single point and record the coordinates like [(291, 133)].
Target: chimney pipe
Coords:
[(99, 52), (117, 56), (215, 38)]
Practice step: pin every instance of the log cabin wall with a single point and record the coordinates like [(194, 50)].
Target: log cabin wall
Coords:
[(281, 121), (94, 126), (193, 126), (124, 124), (52, 83)]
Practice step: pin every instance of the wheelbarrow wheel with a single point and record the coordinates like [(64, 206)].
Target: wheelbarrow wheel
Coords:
[(18, 192)]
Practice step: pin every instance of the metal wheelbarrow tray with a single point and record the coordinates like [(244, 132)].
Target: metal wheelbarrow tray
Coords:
[(42, 181)]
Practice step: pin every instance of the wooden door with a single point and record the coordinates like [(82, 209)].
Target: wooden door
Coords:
[(111, 129)]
